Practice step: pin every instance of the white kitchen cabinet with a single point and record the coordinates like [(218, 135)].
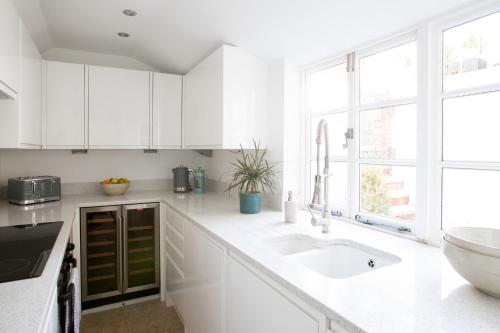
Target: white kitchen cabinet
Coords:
[(254, 304), (119, 108), (65, 105), (194, 283), (225, 101), (167, 111), (31, 92), (10, 26), (20, 118)]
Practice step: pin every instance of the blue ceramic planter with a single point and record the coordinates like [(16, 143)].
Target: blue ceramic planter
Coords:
[(250, 203)]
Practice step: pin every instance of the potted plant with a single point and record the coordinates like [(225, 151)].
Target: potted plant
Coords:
[(252, 175)]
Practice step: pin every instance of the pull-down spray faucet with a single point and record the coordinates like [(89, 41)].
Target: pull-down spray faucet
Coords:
[(319, 179)]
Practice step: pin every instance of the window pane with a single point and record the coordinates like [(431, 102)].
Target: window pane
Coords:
[(471, 128), (328, 88), (388, 133), (337, 125), (470, 198), (389, 74), (388, 191), (338, 183), (471, 53)]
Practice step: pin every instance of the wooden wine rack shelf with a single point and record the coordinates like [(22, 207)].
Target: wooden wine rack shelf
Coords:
[(101, 220), (101, 232), (101, 277), (101, 255), (140, 239), (141, 271), (138, 261), (140, 249), (103, 243), (145, 227), (101, 266)]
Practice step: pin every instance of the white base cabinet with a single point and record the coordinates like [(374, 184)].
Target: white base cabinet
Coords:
[(216, 291), (194, 275), (254, 304)]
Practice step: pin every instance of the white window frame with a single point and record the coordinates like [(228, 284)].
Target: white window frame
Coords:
[(345, 210), (358, 108), (353, 109), (428, 163), (436, 98)]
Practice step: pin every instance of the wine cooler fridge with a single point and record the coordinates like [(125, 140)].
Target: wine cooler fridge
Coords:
[(119, 253)]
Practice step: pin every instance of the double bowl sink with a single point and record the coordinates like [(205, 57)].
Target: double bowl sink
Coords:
[(332, 258)]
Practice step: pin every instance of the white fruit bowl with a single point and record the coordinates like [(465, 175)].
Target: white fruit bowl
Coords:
[(482, 240), (115, 189), (481, 270)]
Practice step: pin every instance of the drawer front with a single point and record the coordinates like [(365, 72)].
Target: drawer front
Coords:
[(175, 238), (176, 221)]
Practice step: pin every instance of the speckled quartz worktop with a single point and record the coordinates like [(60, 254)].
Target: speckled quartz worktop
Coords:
[(420, 294)]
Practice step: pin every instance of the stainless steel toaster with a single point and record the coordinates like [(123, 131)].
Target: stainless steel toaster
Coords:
[(30, 190)]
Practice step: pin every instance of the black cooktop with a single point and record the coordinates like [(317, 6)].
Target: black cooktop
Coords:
[(25, 249)]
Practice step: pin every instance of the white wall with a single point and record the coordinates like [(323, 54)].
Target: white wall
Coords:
[(92, 58), (95, 165)]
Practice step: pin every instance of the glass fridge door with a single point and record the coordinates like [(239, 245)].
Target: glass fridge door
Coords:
[(101, 252), (141, 247)]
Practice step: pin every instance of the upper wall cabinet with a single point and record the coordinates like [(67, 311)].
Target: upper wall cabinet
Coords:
[(20, 118), (119, 108), (167, 111), (10, 26), (65, 106), (225, 101)]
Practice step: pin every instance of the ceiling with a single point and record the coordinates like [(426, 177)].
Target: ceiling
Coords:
[(174, 35)]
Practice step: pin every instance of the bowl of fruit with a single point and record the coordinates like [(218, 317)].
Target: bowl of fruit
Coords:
[(115, 186)]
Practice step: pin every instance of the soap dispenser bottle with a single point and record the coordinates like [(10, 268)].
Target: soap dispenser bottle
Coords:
[(290, 209)]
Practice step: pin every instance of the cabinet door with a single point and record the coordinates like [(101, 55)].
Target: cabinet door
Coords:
[(31, 91), (9, 48), (253, 306), (65, 113), (118, 108), (141, 247), (203, 107), (199, 296), (167, 110)]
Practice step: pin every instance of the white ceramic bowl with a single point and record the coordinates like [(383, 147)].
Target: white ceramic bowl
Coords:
[(481, 270), (115, 189), (481, 240)]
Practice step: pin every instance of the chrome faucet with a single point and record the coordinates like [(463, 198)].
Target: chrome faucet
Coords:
[(324, 220)]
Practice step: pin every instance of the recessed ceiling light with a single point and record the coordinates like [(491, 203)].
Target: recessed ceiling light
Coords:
[(123, 34), (129, 12)]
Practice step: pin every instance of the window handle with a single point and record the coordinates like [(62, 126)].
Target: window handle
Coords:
[(349, 134)]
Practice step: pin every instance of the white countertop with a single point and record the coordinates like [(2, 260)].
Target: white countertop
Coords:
[(421, 294)]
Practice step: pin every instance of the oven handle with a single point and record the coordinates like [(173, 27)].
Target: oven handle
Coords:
[(68, 297)]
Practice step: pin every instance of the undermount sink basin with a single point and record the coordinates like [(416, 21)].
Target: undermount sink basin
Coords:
[(475, 254), (334, 258)]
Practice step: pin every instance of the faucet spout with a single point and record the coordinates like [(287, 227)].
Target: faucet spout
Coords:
[(322, 179)]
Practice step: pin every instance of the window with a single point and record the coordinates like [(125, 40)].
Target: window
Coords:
[(328, 98), (387, 132), (469, 99), (379, 102), (425, 112)]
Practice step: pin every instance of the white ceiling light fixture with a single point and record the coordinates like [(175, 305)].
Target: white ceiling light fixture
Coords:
[(129, 12), (123, 34)]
